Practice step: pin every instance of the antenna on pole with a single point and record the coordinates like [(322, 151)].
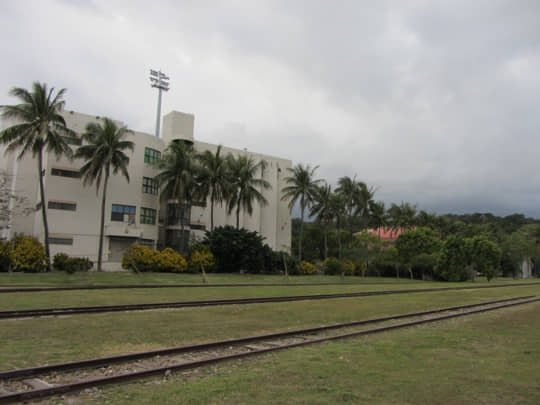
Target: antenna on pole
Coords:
[(159, 80)]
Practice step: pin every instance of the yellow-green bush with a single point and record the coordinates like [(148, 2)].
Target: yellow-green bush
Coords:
[(28, 254), (141, 258), (171, 260), (307, 268), (348, 268), (201, 258)]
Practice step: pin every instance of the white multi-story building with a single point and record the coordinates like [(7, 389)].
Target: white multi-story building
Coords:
[(134, 211)]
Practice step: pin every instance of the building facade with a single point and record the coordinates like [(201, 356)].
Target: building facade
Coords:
[(134, 211)]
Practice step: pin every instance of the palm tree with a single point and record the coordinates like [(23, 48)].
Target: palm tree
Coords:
[(402, 216), (213, 179), (245, 186), (338, 208), (377, 215), (350, 189), (363, 199), (39, 127), (104, 151), (177, 177), (322, 209), (301, 187)]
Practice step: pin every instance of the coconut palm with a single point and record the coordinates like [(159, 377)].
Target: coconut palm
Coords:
[(38, 126), (322, 209), (104, 151), (377, 216), (177, 177), (213, 179), (245, 185), (301, 187), (402, 216), (338, 209)]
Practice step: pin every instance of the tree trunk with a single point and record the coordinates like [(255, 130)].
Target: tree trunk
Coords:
[(339, 242), (301, 230), (102, 223), (44, 209), (238, 216), (212, 211), (325, 242)]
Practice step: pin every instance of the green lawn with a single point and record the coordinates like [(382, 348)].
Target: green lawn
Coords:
[(70, 298), (484, 359), (94, 278), (32, 341)]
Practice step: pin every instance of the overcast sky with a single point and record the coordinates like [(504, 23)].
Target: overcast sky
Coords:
[(431, 102)]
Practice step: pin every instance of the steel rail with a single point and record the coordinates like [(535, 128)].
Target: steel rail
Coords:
[(7, 289), (25, 372), (60, 389), (236, 301)]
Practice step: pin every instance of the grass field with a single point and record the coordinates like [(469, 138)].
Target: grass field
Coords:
[(93, 278), (484, 359), (491, 358)]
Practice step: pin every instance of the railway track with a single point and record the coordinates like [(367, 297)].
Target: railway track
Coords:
[(7, 289), (15, 386), (11, 314)]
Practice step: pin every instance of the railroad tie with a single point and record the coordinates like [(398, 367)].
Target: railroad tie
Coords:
[(37, 384)]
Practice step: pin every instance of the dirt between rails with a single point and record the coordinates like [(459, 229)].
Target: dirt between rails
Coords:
[(85, 395)]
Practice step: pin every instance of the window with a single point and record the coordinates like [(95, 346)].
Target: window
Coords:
[(71, 140), (151, 155), (65, 173), (62, 205), (149, 186), (119, 211), (148, 216), (146, 242), (178, 214), (60, 241)]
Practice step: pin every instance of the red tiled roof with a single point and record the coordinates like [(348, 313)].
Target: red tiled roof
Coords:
[(387, 234)]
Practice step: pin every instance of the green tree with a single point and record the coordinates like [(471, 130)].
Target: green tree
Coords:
[(178, 170), (246, 186), (301, 187), (322, 209), (413, 245), (453, 260), (377, 216), (366, 246), (104, 151), (213, 179), (338, 209), (39, 126), (402, 216), (485, 255)]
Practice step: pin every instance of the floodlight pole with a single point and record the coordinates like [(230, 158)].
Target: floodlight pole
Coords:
[(159, 80)]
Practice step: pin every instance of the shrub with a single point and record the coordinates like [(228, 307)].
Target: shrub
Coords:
[(61, 262), (5, 256), (171, 261), (28, 254), (236, 249), (81, 264), (332, 266), (307, 268), (348, 267), (140, 258), (201, 259)]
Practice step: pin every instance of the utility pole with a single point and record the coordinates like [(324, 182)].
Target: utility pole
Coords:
[(161, 82)]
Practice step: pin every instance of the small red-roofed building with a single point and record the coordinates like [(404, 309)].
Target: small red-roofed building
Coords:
[(387, 234)]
